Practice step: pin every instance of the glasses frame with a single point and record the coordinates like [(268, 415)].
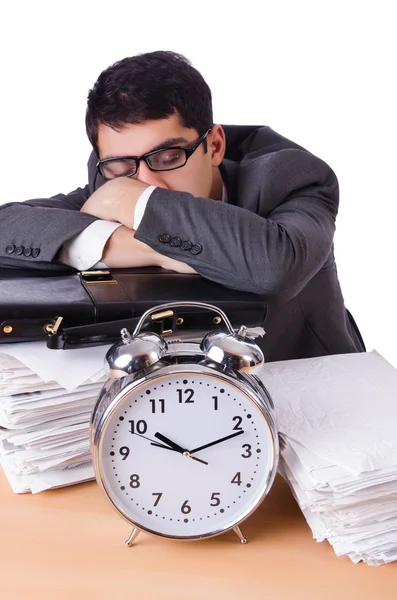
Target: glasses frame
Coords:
[(188, 152)]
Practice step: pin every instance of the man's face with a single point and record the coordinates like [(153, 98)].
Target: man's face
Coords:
[(200, 176)]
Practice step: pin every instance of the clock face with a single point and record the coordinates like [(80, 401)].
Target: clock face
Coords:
[(186, 455)]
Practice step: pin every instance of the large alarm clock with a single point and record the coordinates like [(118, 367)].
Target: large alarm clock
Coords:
[(183, 435)]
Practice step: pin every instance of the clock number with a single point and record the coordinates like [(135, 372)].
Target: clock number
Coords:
[(215, 399), (141, 427), (185, 508), (134, 481), (158, 497), (162, 405), (237, 478), (124, 451), (249, 452), (215, 497), (237, 426), (189, 399)]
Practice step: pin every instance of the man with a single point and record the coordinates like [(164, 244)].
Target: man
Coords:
[(242, 206)]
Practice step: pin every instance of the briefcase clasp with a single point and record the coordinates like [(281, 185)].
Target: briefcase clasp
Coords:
[(97, 277), (165, 314)]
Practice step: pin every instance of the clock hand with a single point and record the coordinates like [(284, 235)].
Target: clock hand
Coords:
[(228, 437), (170, 443), (154, 443), (176, 447)]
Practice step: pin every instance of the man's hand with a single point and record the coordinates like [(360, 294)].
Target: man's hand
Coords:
[(175, 265), (116, 200)]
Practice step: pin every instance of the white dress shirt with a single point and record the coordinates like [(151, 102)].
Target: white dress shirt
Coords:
[(85, 250)]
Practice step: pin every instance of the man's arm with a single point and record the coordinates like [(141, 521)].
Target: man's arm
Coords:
[(33, 232), (39, 233), (275, 252)]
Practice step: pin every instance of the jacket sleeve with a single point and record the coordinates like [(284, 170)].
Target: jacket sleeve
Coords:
[(274, 251), (33, 232)]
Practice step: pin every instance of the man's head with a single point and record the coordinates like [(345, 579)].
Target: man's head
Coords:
[(152, 101)]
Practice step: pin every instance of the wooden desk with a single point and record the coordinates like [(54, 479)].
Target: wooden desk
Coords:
[(69, 543)]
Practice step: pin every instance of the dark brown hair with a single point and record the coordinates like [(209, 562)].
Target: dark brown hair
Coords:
[(149, 86)]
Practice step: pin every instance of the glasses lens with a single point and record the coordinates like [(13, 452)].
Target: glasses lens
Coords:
[(118, 168), (167, 159)]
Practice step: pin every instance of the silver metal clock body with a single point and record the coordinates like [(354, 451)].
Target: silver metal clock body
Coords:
[(185, 447)]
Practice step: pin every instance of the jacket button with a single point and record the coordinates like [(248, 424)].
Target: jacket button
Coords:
[(19, 250), (175, 241), (197, 248), (27, 251), (165, 238), (35, 252), (186, 245), (10, 249)]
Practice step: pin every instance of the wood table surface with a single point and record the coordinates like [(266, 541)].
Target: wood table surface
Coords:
[(69, 543)]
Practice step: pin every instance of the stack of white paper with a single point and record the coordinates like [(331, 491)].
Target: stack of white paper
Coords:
[(46, 399), (337, 418)]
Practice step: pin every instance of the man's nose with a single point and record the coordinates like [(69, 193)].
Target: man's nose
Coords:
[(150, 177)]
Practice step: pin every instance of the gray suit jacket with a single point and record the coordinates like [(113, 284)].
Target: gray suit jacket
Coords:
[(273, 237)]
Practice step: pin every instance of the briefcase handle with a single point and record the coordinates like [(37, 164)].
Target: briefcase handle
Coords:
[(180, 323)]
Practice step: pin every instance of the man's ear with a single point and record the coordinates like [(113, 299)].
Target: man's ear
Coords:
[(216, 142)]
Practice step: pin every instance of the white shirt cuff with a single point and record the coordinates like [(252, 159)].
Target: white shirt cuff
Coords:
[(140, 206), (86, 249)]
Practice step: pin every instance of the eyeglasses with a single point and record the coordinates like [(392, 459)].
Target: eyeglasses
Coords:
[(165, 159)]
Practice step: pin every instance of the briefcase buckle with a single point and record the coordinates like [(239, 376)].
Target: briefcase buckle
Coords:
[(97, 277), (162, 316), (53, 328)]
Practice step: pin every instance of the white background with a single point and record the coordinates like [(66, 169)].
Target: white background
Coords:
[(321, 73)]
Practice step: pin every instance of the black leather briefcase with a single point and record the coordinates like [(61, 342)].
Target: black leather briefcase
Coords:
[(89, 308)]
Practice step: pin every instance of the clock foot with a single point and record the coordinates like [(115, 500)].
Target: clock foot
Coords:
[(132, 537), (240, 536)]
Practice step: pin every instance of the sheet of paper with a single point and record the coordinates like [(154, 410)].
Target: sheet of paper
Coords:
[(342, 408), (69, 368)]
